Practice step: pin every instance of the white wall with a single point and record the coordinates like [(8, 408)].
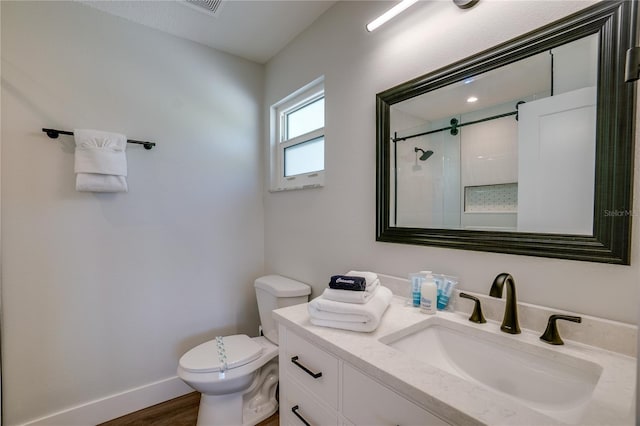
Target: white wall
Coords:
[(1, 332), (103, 293), (311, 235)]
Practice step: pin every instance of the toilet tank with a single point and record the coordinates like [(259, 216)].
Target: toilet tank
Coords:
[(273, 292)]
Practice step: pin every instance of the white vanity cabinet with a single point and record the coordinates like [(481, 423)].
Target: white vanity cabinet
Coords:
[(367, 402), (308, 382), (298, 406), (318, 388)]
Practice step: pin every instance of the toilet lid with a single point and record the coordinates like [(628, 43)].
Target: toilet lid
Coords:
[(210, 356)]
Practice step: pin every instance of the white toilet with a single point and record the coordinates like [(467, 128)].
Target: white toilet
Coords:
[(238, 375)]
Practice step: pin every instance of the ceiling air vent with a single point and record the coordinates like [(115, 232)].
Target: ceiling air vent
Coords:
[(210, 7)]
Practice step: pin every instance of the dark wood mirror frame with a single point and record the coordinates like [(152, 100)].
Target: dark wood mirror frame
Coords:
[(616, 24)]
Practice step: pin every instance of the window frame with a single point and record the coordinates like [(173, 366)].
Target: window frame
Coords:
[(301, 98)]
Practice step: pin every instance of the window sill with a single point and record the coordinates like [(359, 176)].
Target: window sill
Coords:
[(303, 181), (296, 188)]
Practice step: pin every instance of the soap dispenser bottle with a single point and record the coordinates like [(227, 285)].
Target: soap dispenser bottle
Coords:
[(428, 294)]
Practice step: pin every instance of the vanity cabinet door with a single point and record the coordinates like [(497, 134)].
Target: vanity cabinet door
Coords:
[(367, 402), (312, 367), (295, 400)]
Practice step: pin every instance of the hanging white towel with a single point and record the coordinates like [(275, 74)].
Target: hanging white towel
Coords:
[(100, 161), (350, 316), (348, 296)]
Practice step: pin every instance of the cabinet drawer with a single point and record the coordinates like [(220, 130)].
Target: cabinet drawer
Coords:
[(312, 367), (294, 398), (367, 402)]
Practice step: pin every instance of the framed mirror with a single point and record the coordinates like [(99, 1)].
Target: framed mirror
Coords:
[(526, 148)]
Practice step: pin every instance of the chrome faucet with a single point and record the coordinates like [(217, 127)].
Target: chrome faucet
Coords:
[(510, 320)]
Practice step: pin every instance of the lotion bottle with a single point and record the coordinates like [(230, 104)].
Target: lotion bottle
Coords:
[(428, 294)]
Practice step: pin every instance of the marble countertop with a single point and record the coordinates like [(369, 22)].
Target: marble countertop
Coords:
[(457, 400)]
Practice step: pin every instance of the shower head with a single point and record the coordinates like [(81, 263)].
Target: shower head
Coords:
[(425, 154)]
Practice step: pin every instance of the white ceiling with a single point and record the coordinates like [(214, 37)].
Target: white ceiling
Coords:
[(526, 79), (516, 81), (252, 29)]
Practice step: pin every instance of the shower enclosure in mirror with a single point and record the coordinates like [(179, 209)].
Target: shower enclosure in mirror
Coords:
[(511, 149), (525, 148)]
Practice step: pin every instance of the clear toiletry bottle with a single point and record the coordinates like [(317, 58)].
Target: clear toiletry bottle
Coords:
[(428, 294), (416, 282)]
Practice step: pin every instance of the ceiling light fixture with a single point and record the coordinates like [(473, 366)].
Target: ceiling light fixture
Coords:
[(395, 10), (472, 99), (465, 4)]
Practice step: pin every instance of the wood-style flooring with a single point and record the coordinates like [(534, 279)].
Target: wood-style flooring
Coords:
[(181, 411)]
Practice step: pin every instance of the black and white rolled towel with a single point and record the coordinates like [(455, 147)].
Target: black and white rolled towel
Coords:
[(354, 281)]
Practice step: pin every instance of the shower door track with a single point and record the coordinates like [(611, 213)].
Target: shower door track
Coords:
[(455, 125)]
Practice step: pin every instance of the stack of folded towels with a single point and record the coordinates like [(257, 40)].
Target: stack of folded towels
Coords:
[(354, 301)]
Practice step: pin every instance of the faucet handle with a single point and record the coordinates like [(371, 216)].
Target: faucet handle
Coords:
[(476, 316), (551, 334)]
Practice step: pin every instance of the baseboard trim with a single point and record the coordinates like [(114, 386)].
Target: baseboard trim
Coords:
[(116, 405)]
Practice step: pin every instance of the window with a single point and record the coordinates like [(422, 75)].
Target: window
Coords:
[(298, 145)]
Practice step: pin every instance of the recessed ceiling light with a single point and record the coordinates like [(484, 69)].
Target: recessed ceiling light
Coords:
[(472, 99)]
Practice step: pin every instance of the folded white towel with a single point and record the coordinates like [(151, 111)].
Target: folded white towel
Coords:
[(347, 296), (100, 161), (370, 277), (350, 316), (93, 182)]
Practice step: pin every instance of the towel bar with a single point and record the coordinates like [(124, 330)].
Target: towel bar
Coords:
[(53, 134)]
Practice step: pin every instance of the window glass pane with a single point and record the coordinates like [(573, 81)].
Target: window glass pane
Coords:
[(309, 117), (305, 157)]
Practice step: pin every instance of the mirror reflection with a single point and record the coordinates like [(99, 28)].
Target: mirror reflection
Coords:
[(512, 149)]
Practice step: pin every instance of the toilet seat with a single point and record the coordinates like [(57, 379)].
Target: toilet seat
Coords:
[(237, 350)]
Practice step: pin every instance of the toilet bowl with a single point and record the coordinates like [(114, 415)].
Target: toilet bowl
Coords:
[(237, 375)]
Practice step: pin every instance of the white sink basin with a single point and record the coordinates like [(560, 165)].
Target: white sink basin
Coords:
[(543, 378)]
